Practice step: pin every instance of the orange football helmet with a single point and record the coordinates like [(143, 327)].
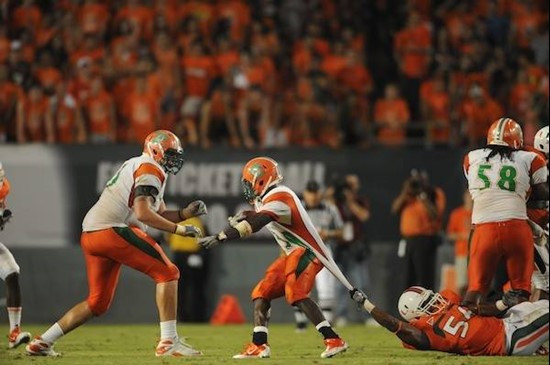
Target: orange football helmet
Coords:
[(505, 132), (259, 174), (165, 148)]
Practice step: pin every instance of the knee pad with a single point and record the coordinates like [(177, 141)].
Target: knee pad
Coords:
[(8, 265)]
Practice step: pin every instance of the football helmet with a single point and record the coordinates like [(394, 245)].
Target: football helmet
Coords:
[(417, 301), (541, 140), (505, 132), (165, 148), (259, 174)]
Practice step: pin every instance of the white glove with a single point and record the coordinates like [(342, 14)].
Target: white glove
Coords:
[(188, 231), (208, 242), (357, 296)]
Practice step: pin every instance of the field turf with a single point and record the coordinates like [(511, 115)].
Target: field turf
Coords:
[(134, 345)]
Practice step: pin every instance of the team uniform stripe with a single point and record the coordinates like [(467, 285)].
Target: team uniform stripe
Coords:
[(532, 338), (129, 236), (526, 331)]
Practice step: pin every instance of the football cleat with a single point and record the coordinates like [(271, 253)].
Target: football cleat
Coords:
[(175, 347), (334, 347), (39, 347), (253, 351), (16, 338)]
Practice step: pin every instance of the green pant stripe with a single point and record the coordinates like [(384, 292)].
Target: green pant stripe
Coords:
[(129, 236), (526, 331), (305, 260)]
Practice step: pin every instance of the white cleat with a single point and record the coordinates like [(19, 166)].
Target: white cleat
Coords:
[(16, 338), (253, 351), (334, 347), (175, 347), (39, 347)]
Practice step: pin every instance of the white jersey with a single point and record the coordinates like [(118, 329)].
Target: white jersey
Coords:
[(114, 207), (500, 187), (291, 226)]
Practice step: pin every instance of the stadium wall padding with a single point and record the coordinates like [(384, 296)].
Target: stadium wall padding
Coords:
[(54, 186)]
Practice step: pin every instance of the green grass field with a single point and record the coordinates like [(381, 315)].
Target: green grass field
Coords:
[(134, 345)]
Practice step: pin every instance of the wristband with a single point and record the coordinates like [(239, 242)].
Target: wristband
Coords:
[(399, 326), (368, 306), (501, 306), (221, 236)]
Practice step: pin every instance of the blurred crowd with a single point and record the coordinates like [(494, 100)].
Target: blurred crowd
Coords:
[(269, 73)]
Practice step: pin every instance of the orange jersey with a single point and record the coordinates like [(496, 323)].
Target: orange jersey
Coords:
[(35, 119), (457, 330), (65, 117), (460, 222), (99, 112), (198, 72), (4, 190)]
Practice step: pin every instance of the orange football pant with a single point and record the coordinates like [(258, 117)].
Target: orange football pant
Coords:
[(107, 250), (511, 241), (292, 276)]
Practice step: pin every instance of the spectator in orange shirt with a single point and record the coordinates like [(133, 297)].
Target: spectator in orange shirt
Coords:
[(93, 17), (226, 58), (10, 95), (28, 15), (233, 16), (34, 118), (138, 15), (67, 115), (334, 62), (142, 112), (479, 111), (458, 230), (412, 51), (91, 48), (4, 44), (302, 57), (391, 114), (202, 12), (521, 95), (79, 86), (355, 76), (198, 71), (48, 75), (436, 110), (100, 112), (217, 120)]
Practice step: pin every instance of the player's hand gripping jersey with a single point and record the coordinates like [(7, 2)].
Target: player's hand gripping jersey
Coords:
[(114, 207), (457, 330), (291, 226), (500, 186)]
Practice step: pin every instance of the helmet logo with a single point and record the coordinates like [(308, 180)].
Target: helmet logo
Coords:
[(256, 170), (159, 137)]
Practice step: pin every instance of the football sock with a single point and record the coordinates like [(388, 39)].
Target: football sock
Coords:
[(14, 316), (168, 329), (327, 313), (259, 336), (53, 333), (326, 330), (301, 319)]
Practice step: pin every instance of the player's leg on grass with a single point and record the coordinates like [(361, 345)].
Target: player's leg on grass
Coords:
[(526, 327), (9, 273), (139, 251), (301, 270), (519, 257)]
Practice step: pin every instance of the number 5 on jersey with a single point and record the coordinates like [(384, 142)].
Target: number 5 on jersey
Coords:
[(507, 174)]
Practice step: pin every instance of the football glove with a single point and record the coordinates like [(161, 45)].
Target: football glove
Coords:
[(4, 218), (237, 218), (188, 231), (357, 296), (514, 297), (195, 209), (208, 242)]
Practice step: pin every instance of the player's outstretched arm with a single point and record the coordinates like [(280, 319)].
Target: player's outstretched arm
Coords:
[(407, 333), (145, 214), (238, 229), (194, 209)]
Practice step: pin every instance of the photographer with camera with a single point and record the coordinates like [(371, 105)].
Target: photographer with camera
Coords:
[(421, 207), (352, 251)]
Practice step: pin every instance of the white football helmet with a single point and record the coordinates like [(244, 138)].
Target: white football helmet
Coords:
[(541, 140), (417, 301)]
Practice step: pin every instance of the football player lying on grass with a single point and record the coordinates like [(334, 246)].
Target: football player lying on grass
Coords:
[(436, 321)]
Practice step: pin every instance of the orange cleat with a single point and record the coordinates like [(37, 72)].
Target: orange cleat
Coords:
[(253, 351), (334, 347)]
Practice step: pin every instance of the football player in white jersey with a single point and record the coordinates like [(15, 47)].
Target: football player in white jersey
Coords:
[(500, 178), (291, 275), (9, 273), (114, 235)]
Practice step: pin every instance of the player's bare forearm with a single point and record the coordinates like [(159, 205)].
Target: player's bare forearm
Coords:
[(407, 333), (146, 215)]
